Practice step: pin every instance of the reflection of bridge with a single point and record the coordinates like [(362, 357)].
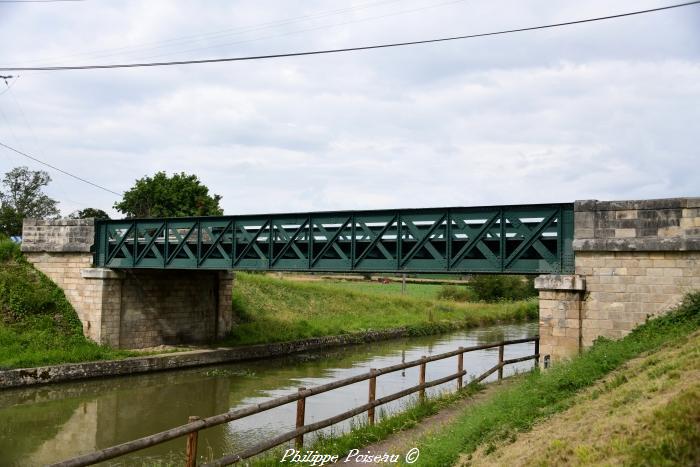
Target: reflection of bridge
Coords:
[(505, 239)]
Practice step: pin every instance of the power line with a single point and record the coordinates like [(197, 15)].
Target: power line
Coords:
[(220, 33), (347, 49), (60, 170), (38, 1), (300, 31)]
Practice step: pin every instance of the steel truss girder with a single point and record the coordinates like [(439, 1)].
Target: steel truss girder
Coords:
[(527, 239)]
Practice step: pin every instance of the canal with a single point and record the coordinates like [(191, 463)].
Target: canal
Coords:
[(47, 424)]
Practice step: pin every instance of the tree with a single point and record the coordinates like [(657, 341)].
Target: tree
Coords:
[(162, 196), (22, 197), (88, 213)]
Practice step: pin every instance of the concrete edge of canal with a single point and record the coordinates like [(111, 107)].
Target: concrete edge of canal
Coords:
[(21, 377)]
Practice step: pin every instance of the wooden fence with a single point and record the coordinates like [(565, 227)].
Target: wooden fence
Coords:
[(195, 424)]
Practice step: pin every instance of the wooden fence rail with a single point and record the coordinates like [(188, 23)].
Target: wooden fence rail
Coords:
[(195, 425)]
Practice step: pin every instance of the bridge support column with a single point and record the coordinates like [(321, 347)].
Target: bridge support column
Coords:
[(101, 297), (561, 304), (129, 308)]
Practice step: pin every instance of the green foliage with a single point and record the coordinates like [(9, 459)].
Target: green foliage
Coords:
[(540, 395), (22, 197), (181, 195), (268, 309), (37, 324), (455, 293), (491, 288), (89, 213), (8, 250)]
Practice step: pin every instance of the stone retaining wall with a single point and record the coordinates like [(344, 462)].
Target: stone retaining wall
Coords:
[(124, 308), (128, 366), (636, 259)]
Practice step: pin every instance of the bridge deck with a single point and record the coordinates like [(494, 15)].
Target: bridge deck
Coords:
[(496, 239)]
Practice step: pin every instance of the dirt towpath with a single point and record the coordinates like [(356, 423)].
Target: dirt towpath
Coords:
[(402, 442)]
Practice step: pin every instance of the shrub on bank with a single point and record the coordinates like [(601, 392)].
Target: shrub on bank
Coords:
[(8, 249), (490, 288), (457, 293)]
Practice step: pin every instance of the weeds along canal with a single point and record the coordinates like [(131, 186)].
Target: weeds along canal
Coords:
[(47, 424)]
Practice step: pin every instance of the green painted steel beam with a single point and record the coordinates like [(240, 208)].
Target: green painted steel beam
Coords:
[(525, 239)]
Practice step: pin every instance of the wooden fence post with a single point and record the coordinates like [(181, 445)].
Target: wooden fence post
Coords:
[(460, 367), (301, 414), (191, 448), (372, 395), (537, 352), (500, 362), (421, 378)]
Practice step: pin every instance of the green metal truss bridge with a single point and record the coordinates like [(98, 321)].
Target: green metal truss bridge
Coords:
[(524, 239)]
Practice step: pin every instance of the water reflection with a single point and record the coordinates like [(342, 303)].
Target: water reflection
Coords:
[(52, 423)]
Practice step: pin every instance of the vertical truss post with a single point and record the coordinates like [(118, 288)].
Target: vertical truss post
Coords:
[(166, 240), (560, 238), (399, 232), (134, 247), (270, 243), (502, 243), (199, 243), (353, 242), (448, 240), (234, 244), (310, 242)]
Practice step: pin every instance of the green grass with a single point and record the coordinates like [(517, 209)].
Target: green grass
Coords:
[(539, 395), (37, 324), (392, 289), (673, 437), (268, 309), (39, 327)]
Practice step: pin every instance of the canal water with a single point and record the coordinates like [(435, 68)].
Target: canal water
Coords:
[(47, 424)]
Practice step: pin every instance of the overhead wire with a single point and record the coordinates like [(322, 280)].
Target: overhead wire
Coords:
[(39, 1), (58, 169), (347, 49), (316, 28), (96, 54)]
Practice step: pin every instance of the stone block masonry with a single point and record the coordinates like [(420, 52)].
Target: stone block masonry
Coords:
[(128, 308), (634, 260)]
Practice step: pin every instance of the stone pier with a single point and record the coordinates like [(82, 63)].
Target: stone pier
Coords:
[(131, 308), (634, 260)]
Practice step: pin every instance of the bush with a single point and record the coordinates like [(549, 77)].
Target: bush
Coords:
[(8, 250), (491, 288), (455, 293)]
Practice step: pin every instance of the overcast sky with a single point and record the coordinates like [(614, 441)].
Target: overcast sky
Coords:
[(606, 110)]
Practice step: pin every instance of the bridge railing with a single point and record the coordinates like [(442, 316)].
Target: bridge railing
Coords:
[(501, 239), (195, 425)]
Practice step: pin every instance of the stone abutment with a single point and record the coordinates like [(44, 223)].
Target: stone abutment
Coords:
[(634, 260), (128, 308)]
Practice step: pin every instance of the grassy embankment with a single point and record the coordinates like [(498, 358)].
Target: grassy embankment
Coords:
[(268, 309), (39, 327), (518, 408), (37, 324), (635, 401)]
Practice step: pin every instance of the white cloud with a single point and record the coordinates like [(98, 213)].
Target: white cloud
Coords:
[(603, 110)]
